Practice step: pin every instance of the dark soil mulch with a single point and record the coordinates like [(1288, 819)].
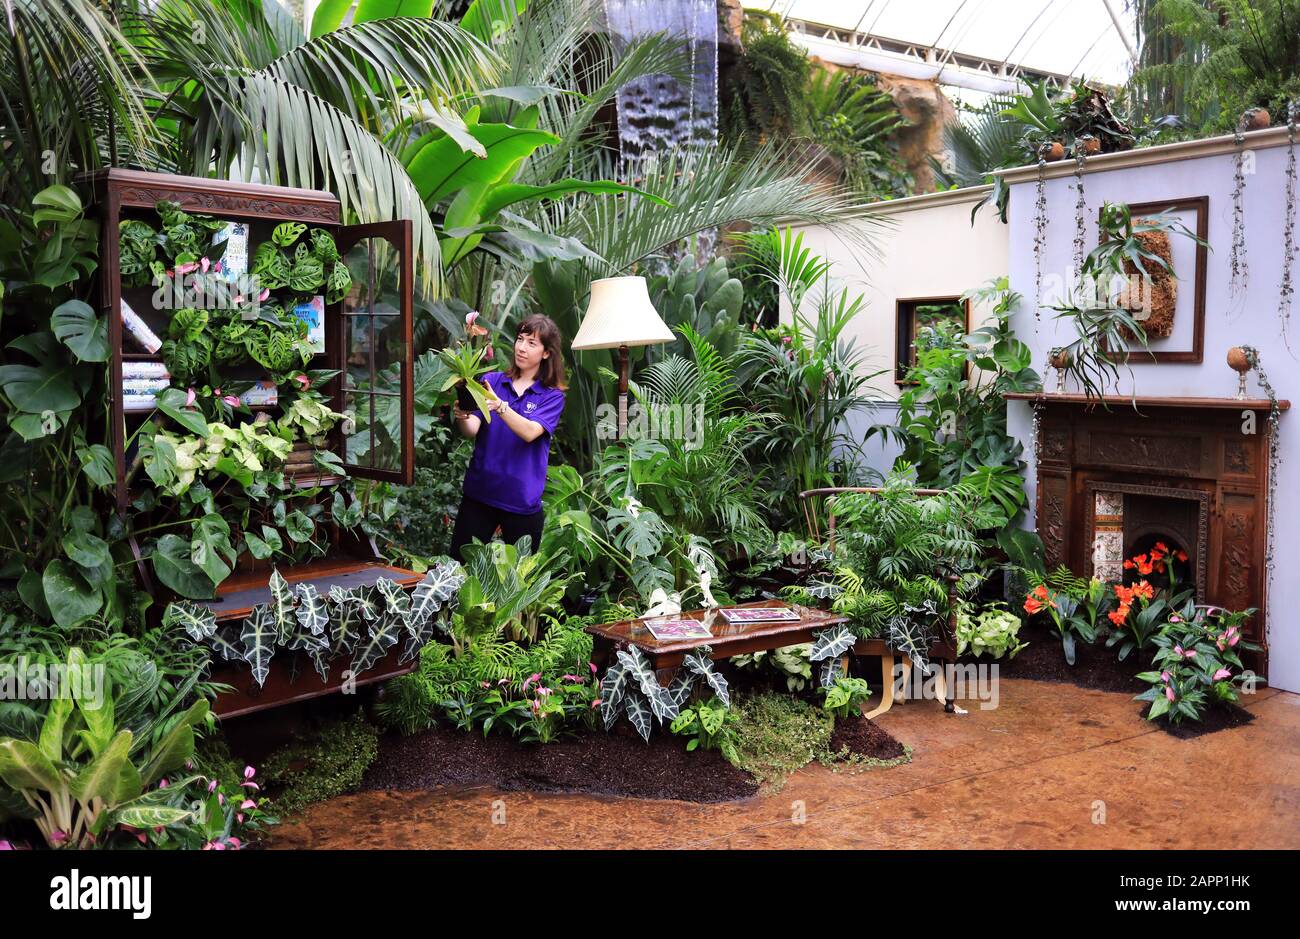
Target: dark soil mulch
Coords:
[(1216, 718), (863, 738), (609, 764), (1094, 666)]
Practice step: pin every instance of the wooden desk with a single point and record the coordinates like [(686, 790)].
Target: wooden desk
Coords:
[(728, 639)]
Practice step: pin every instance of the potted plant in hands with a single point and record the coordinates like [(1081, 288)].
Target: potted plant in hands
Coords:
[(464, 366)]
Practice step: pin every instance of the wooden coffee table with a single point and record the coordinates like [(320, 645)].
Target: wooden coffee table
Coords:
[(728, 639)]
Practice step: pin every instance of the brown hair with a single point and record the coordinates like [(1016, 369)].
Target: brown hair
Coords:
[(551, 370)]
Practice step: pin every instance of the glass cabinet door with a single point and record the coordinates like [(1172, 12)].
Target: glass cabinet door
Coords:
[(372, 348)]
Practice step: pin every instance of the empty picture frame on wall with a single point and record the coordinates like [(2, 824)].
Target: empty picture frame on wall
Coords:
[(1186, 337)]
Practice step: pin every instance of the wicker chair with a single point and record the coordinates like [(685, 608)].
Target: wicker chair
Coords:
[(943, 650)]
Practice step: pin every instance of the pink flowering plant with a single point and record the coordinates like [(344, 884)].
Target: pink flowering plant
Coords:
[(541, 709), (223, 815), (1197, 663)]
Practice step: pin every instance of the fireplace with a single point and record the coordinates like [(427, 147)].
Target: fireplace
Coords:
[(1191, 473)]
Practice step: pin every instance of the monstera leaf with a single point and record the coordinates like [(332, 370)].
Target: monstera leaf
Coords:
[(313, 614), (199, 622), (700, 663), (260, 634), (383, 636)]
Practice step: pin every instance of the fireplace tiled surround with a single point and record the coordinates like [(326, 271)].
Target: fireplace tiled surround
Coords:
[(1197, 467)]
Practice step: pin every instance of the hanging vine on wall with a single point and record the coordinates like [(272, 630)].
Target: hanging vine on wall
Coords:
[(1285, 290), (1274, 457), (1239, 264), (1080, 207), (1040, 233)]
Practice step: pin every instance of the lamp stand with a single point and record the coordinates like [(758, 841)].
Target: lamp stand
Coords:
[(622, 391)]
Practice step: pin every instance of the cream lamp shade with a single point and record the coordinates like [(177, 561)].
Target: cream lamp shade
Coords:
[(620, 314)]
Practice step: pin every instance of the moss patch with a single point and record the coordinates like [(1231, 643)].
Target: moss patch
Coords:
[(327, 763), (777, 734)]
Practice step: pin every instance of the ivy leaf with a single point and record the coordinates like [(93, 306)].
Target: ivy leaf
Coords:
[(70, 599), (75, 325), (298, 527), (172, 564)]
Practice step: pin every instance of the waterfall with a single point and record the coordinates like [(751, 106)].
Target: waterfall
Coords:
[(656, 113)]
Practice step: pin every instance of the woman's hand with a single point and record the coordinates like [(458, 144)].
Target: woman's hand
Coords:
[(466, 421)]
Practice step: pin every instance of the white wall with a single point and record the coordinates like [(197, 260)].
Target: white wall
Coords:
[(1188, 171), (926, 247)]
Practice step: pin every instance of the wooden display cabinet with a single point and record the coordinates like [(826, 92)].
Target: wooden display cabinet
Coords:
[(368, 336)]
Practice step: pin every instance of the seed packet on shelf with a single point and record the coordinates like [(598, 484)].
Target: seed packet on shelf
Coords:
[(234, 263), (313, 314)]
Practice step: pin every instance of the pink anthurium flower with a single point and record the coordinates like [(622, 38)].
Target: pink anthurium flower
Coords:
[(162, 784), (595, 704), (488, 353), (212, 786), (204, 264), (187, 268), (236, 842), (1164, 676), (266, 292), (248, 804), (303, 380), (248, 784), (7, 846), (593, 667), (239, 817), (1222, 673), (230, 400), (1169, 692), (58, 837), (190, 395)]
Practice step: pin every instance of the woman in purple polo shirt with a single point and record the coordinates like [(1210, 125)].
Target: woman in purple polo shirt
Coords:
[(507, 473)]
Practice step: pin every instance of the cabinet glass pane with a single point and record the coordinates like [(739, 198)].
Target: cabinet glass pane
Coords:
[(373, 357)]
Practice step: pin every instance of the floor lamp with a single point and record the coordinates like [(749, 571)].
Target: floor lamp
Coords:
[(620, 315)]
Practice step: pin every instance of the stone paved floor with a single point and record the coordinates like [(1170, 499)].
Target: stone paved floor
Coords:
[(1028, 774)]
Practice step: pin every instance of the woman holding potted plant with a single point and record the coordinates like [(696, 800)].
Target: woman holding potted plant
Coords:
[(507, 473)]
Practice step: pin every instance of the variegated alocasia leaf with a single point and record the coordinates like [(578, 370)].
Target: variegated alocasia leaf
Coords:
[(382, 636), (223, 642), (830, 642), (829, 671), (823, 590), (700, 663), (259, 635), (281, 606), (199, 622), (657, 698), (639, 714), (613, 688), (320, 659), (360, 600), (680, 688), (313, 615), (412, 648), (396, 600), (440, 584)]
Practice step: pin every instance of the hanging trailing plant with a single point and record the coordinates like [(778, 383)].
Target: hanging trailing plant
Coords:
[(1238, 263), (1285, 290), (1080, 208), (1274, 453), (1040, 232)]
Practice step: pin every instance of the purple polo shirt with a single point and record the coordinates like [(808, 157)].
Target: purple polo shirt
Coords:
[(505, 471)]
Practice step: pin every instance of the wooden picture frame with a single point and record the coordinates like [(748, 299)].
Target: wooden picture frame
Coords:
[(904, 332), (1200, 205)]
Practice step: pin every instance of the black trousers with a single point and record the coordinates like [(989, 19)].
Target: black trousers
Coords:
[(479, 520)]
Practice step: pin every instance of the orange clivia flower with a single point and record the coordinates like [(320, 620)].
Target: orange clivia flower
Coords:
[(1144, 590), (1040, 592), (1032, 606), (1145, 568), (1181, 555), (1128, 565), (1162, 547), (1118, 617)]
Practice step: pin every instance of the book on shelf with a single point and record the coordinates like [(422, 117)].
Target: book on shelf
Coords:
[(234, 263), (137, 370), (138, 329), (262, 394)]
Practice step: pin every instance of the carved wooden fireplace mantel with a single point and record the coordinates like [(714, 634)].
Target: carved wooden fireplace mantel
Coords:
[(1208, 454)]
